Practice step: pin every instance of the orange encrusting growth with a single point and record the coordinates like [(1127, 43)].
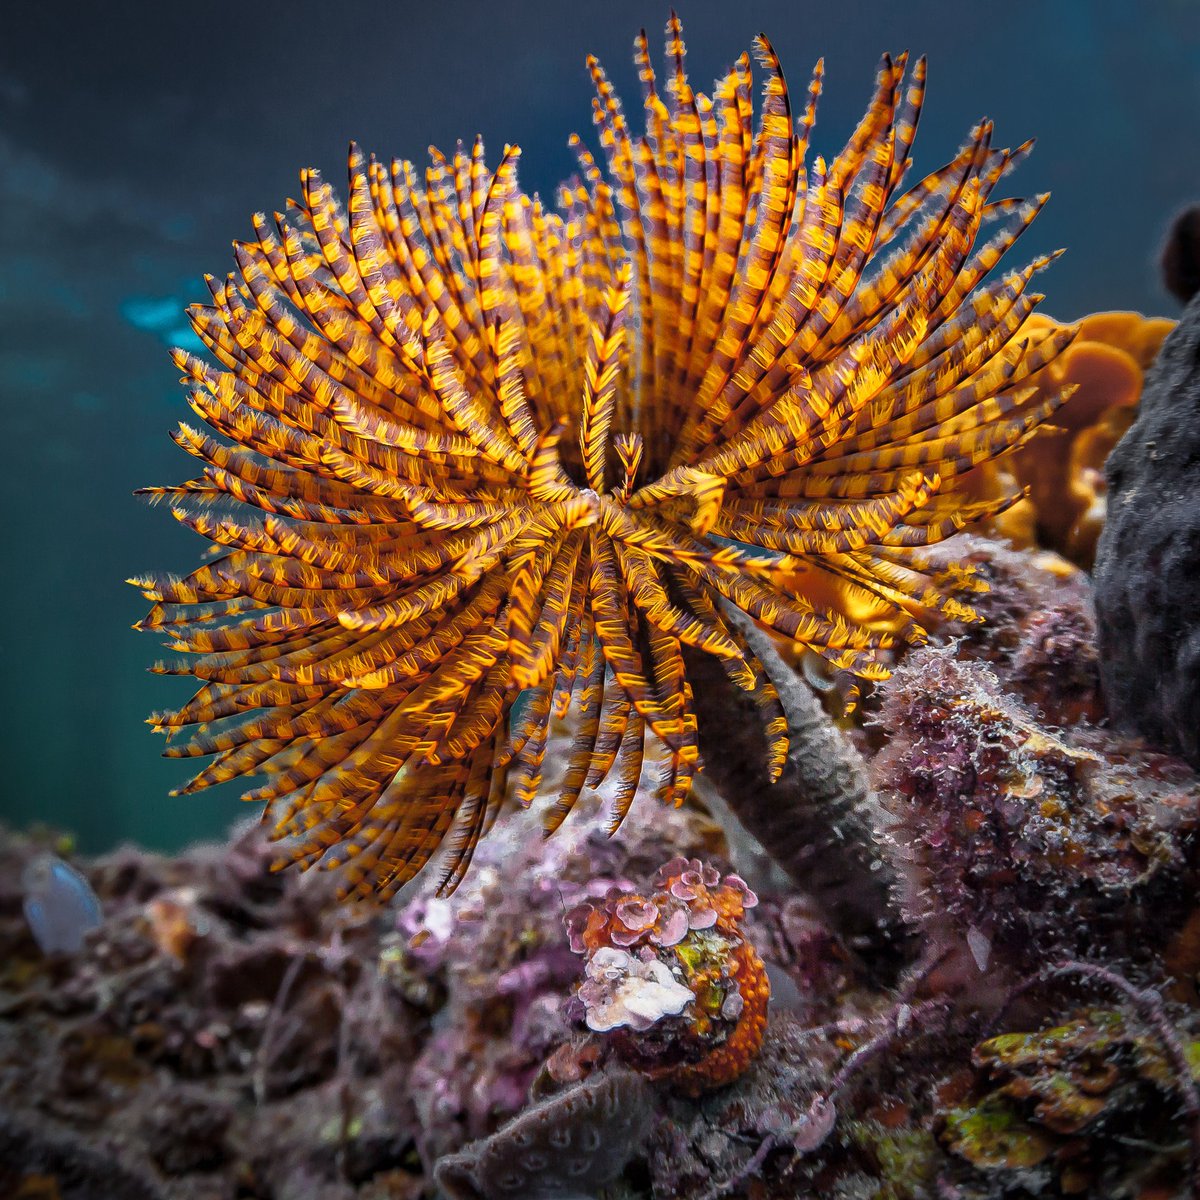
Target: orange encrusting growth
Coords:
[(727, 1061), (1063, 467), (468, 449)]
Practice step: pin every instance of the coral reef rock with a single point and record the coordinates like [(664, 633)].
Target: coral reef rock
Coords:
[(229, 1032), (1021, 844), (1038, 627), (1147, 575), (233, 1033)]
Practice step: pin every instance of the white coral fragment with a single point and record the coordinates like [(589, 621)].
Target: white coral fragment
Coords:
[(623, 990)]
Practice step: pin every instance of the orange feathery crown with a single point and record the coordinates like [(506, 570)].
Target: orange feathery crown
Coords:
[(470, 450)]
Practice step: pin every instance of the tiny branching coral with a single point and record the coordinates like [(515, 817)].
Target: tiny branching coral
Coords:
[(477, 463)]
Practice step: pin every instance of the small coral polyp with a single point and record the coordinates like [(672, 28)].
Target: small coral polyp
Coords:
[(670, 978)]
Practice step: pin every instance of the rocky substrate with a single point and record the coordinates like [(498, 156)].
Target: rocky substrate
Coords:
[(229, 1032)]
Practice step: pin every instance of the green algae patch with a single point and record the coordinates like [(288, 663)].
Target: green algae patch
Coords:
[(992, 1135)]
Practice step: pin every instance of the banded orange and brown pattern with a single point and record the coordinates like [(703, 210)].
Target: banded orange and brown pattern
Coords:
[(470, 449)]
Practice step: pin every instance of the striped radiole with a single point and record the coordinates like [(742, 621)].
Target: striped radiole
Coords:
[(466, 451)]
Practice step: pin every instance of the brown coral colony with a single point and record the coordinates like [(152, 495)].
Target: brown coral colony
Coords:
[(477, 463)]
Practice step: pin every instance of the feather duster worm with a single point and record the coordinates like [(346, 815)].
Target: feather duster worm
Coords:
[(470, 451)]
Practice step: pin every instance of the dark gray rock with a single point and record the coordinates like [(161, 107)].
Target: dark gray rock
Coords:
[(1147, 574), (1181, 255), (35, 1157)]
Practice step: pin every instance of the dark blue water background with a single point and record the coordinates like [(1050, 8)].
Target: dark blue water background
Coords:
[(137, 139)]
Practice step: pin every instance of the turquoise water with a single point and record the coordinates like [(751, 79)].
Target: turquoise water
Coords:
[(135, 142)]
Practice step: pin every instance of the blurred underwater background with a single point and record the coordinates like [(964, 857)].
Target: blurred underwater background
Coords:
[(136, 140)]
